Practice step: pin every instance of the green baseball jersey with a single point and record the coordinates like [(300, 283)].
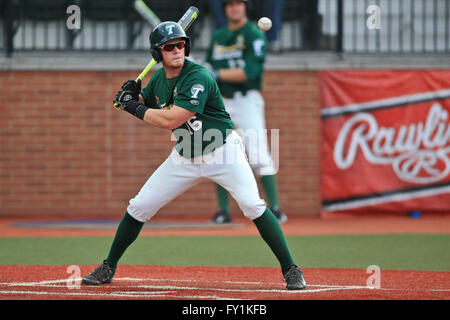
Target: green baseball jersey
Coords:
[(245, 48), (196, 90)]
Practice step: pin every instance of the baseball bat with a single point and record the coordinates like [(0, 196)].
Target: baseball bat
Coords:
[(185, 22), (146, 12)]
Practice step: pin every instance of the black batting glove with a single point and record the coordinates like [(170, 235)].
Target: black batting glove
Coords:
[(130, 90), (123, 97), (124, 100), (133, 87)]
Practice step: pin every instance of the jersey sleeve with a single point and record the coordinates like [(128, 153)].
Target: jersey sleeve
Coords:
[(255, 55), (193, 92)]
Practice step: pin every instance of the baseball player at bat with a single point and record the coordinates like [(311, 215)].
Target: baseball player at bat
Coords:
[(183, 97), (236, 54)]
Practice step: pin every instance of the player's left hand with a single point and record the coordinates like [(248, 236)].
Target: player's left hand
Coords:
[(134, 87), (130, 90)]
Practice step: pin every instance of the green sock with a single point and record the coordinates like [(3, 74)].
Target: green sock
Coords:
[(269, 184), (126, 233), (271, 232), (222, 198)]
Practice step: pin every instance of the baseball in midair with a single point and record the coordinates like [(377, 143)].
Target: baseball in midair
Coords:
[(264, 24)]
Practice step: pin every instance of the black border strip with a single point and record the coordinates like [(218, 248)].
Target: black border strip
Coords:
[(381, 105), (327, 203)]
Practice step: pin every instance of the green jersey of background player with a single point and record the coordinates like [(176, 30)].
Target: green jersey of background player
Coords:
[(244, 48), (236, 55), (184, 97)]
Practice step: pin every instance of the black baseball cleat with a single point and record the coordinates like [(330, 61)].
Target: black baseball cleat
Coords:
[(294, 279), (103, 274), (281, 217), (221, 216)]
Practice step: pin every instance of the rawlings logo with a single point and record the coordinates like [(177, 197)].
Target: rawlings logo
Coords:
[(418, 152)]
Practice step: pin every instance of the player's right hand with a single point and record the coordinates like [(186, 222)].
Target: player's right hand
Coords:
[(125, 101), (123, 97)]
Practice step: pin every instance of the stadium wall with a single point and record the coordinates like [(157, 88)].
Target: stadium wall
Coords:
[(65, 151)]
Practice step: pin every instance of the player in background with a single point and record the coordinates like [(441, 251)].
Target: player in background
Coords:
[(183, 97), (236, 55)]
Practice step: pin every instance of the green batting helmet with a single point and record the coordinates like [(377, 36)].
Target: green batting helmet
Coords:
[(164, 32), (226, 1)]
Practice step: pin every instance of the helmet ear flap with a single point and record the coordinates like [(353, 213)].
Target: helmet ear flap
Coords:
[(156, 54), (187, 47)]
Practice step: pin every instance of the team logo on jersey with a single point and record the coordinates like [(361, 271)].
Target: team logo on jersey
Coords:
[(221, 52), (196, 89), (160, 105), (258, 44), (240, 41)]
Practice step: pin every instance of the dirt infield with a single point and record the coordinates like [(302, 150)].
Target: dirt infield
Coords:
[(218, 283), (295, 226), (226, 283)]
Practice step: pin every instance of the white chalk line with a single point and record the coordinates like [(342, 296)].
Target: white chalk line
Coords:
[(284, 291), (61, 283), (52, 282), (114, 294), (123, 294), (444, 290)]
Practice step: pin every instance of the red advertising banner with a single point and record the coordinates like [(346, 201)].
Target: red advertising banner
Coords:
[(385, 141)]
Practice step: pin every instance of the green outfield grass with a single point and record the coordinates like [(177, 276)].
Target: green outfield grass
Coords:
[(400, 252)]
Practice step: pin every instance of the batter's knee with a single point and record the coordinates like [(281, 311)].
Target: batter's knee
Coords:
[(263, 165), (263, 170), (141, 210), (252, 208)]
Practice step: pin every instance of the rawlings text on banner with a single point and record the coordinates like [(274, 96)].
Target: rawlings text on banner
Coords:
[(385, 141)]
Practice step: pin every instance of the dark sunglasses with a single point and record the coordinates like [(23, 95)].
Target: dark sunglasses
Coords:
[(169, 47)]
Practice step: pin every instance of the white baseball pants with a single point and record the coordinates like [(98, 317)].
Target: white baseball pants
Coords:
[(227, 166), (247, 113)]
